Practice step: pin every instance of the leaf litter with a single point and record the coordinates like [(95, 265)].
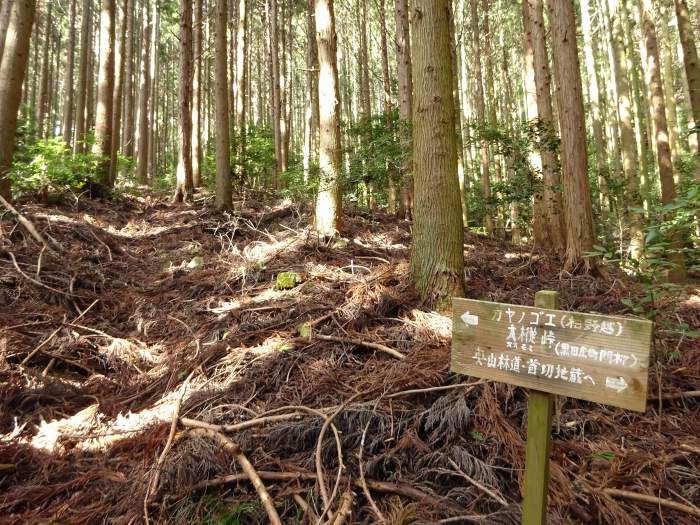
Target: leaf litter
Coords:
[(153, 312)]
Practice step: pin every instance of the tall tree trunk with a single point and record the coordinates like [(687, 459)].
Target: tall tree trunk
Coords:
[(437, 261), (142, 131), (311, 114), (42, 106), (552, 194), (197, 97), (12, 72), (589, 47), (454, 61), (118, 90), (68, 87), (105, 92), (329, 201), (663, 148), (81, 102), (578, 211), (481, 118), (628, 141), (183, 174), (276, 88), (240, 83), (5, 12), (130, 72), (690, 58), (403, 63), (392, 197), (223, 160)]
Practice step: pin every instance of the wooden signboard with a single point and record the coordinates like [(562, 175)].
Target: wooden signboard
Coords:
[(598, 358)]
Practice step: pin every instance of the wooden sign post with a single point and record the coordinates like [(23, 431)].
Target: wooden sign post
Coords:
[(604, 359)]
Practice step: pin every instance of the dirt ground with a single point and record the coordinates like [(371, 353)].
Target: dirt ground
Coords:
[(336, 391)]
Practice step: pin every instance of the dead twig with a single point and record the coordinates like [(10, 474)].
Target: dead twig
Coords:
[(28, 225), (247, 467), (653, 500), (32, 280), (345, 509), (500, 499), (359, 342), (194, 423), (53, 334), (691, 394)]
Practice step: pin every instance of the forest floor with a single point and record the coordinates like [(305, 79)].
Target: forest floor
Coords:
[(153, 313)]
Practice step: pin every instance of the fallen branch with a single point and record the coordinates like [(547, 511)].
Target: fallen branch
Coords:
[(691, 394), (500, 499), (345, 509), (28, 225), (32, 280), (360, 342), (305, 507), (194, 423), (645, 498), (247, 467), (378, 486), (53, 334)]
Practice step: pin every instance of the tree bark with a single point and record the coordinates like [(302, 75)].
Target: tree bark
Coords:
[(240, 83), (481, 118), (578, 211), (311, 114), (663, 149), (81, 102), (437, 261), (223, 160), (276, 88), (118, 91), (552, 194), (403, 62), (690, 58), (197, 97), (42, 106), (12, 72), (5, 12), (105, 92), (130, 72), (68, 87), (142, 131), (183, 174), (329, 201)]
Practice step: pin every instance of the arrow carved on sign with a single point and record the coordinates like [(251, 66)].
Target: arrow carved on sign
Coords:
[(616, 383), (469, 319)]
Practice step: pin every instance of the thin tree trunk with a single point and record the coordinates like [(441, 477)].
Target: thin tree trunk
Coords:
[(276, 88), (552, 193), (240, 83), (311, 114), (142, 131), (12, 72), (129, 73), (481, 119), (105, 92), (578, 210), (329, 202), (42, 106), (403, 62), (197, 97), (183, 175), (392, 197), (223, 160), (437, 260), (118, 90), (68, 87), (80, 106), (663, 148), (5, 12)]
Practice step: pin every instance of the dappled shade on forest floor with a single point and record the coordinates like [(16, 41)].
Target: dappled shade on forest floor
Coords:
[(187, 309)]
